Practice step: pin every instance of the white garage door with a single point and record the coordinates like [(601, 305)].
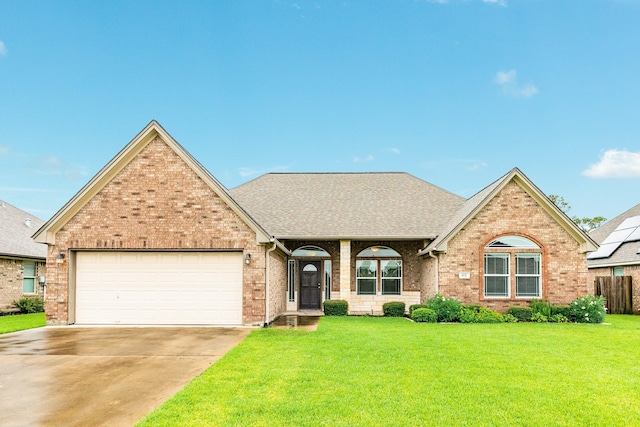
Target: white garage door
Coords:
[(159, 288)]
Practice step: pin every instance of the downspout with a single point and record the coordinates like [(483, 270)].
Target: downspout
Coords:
[(266, 282)]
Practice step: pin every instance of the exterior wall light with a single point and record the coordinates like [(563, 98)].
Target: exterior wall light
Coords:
[(60, 258), (247, 259)]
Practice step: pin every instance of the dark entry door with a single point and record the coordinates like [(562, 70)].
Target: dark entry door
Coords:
[(310, 285)]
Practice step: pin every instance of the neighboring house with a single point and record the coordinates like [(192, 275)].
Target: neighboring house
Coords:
[(22, 261), (154, 238), (619, 251)]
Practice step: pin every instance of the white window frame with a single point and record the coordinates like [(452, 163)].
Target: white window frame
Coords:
[(537, 275), (32, 278), (327, 278), (374, 278), (506, 256), (291, 280)]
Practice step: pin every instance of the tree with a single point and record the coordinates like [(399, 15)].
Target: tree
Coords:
[(586, 223)]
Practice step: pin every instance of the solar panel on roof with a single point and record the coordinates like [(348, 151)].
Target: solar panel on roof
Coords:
[(627, 231)]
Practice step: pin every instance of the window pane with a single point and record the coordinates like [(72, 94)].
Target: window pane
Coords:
[(28, 286), (496, 286), (366, 268), (378, 252), (391, 268), (512, 242), (366, 286), (391, 286), (496, 263), (291, 280), (327, 279), (618, 271), (527, 263), (527, 286), (29, 269)]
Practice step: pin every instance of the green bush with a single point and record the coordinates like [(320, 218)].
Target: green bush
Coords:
[(423, 314), (541, 306), (416, 306), (539, 317), (564, 310), (509, 318), (477, 314), (523, 314), (335, 307), (448, 309), (393, 308), (30, 304), (558, 318), (588, 309)]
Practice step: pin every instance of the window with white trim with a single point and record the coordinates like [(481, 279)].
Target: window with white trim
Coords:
[(378, 271), (503, 281), (28, 277), (291, 280)]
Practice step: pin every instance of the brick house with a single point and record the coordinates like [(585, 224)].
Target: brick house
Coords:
[(154, 238), (22, 261), (619, 251)]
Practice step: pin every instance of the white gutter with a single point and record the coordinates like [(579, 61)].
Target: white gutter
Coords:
[(266, 282)]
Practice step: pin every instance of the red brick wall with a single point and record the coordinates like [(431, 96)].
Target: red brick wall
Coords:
[(156, 202), (11, 274), (513, 211), (277, 284), (629, 270)]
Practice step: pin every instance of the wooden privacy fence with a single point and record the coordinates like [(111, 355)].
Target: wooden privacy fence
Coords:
[(618, 291)]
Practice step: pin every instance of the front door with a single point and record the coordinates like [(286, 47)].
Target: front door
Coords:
[(310, 285)]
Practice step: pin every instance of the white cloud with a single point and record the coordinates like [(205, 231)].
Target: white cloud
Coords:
[(616, 164), (476, 165), (367, 158), (4, 149), (3, 48), (394, 150), (508, 82), (502, 3), (52, 165)]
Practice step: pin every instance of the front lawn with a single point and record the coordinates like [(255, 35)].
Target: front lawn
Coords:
[(391, 372), (18, 322)]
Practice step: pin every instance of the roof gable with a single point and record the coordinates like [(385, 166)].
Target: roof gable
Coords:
[(477, 202), (46, 234)]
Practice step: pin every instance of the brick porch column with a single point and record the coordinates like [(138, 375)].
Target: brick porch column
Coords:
[(345, 269)]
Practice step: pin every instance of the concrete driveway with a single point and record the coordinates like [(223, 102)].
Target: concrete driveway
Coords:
[(73, 376)]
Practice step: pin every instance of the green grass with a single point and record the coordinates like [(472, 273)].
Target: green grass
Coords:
[(391, 372), (19, 322)]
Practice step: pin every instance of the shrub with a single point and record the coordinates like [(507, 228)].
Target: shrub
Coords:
[(539, 317), (588, 309), (564, 310), (335, 307), (30, 304), (416, 306), (423, 314), (523, 314), (393, 308), (477, 314), (509, 318), (540, 306), (448, 309), (558, 318)]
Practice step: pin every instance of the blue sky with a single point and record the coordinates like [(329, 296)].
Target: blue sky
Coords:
[(456, 92)]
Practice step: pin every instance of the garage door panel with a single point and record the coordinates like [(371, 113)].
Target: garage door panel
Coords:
[(159, 288)]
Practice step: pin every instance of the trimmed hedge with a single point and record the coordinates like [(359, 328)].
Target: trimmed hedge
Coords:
[(416, 306), (523, 314), (448, 309), (335, 307), (477, 314), (423, 314), (393, 308), (564, 310)]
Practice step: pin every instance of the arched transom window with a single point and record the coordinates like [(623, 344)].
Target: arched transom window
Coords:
[(501, 279), (311, 251), (379, 271)]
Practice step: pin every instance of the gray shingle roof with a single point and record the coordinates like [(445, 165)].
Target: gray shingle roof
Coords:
[(347, 205), (627, 253), (15, 234)]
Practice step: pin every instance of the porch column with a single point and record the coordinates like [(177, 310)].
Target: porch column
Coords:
[(345, 269)]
